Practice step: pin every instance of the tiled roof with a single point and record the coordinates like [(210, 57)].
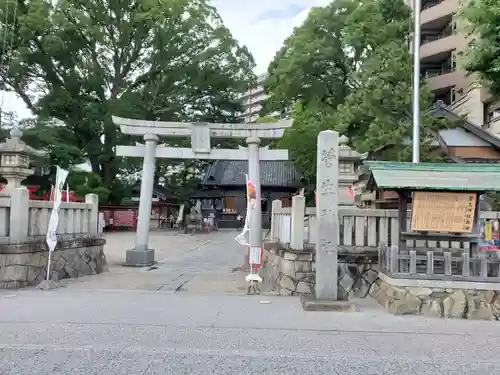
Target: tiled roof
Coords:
[(272, 174)]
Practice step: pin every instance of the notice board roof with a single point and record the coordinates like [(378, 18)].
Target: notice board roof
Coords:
[(433, 176)]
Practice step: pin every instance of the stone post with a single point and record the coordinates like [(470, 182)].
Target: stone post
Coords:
[(297, 230), (19, 214), (141, 255), (275, 223), (93, 200), (327, 197), (255, 235)]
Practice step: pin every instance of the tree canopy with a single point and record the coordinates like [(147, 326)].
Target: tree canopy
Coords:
[(82, 61), (482, 23), (349, 69)]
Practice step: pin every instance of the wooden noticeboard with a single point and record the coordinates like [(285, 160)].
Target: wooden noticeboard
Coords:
[(443, 212)]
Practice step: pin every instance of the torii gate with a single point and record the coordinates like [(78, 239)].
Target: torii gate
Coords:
[(200, 134)]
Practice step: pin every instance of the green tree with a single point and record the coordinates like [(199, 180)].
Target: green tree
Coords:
[(58, 140), (482, 24), (266, 119), (312, 66), (83, 183), (354, 77), (157, 60)]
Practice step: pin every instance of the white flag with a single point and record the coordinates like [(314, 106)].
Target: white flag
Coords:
[(243, 237), (54, 216)]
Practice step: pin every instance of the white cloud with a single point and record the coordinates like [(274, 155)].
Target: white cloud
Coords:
[(249, 21)]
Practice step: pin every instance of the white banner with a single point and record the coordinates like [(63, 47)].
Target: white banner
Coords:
[(51, 238), (243, 237)]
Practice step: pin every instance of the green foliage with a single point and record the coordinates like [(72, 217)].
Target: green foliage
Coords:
[(349, 69), (170, 60), (83, 183), (266, 119), (482, 23), (312, 65), (59, 141)]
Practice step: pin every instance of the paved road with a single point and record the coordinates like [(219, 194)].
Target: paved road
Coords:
[(138, 332), (198, 263), (134, 321)]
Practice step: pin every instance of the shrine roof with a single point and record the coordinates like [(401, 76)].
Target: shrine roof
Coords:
[(276, 173), (433, 176)]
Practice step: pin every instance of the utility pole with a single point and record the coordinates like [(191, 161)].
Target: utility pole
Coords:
[(417, 5)]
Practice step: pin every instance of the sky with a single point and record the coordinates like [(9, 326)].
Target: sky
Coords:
[(261, 25)]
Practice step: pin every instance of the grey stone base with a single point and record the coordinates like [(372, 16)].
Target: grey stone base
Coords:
[(310, 303), (48, 285), (26, 264), (140, 258), (292, 273), (437, 302)]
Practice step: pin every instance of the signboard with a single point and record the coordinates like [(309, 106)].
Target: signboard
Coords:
[(255, 256), (489, 231), (443, 212)]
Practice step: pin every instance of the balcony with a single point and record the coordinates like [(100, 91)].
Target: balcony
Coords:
[(435, 9), (433, 45), (438, 80)]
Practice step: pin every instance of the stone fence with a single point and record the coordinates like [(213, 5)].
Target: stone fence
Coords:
[(361, 229), (23, 251), (289, 256)]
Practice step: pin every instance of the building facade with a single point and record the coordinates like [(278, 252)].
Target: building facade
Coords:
[(441, 65), (224, 188), (253, 99)]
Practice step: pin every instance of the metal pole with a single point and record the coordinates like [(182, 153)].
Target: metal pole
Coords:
[(255, 235), (416, 80)]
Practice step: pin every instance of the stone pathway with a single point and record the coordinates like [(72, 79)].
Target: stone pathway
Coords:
[(200, 263)]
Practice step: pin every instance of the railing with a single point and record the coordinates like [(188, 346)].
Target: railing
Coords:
[(439, 264), (360, 229), (23, 220), (74, 218)]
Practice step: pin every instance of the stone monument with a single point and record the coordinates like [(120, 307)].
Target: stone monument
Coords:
[(200, 134), (327, 242)]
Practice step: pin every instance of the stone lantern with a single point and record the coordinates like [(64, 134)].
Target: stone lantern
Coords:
[(15, 160), (349, 161)]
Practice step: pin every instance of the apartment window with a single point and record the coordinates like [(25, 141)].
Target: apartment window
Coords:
[(230, 204), (494, 115), (453, 25), (453, 63)]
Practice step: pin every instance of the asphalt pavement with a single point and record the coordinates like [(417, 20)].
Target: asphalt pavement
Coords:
[(140, 332), (190, 315)]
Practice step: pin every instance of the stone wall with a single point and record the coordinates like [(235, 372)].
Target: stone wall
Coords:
[(435, 302), (291, 272), (26, 264)]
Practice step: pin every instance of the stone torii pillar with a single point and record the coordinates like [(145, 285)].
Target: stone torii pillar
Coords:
[(140, 254), (200, 134)]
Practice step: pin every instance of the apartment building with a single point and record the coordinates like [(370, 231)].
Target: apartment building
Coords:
[(253, 100), (441, 65)]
